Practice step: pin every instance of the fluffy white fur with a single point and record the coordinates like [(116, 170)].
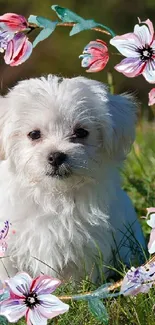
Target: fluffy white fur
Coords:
[(66, 222)]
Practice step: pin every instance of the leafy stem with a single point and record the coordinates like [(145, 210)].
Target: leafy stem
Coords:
[(69, 24), (89, 293)]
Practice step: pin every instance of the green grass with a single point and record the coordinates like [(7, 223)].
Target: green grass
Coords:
[(139, 182)]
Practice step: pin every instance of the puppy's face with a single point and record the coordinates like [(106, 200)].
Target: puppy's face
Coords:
[(57, 130)]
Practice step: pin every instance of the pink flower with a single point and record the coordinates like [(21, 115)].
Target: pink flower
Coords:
[(3, 238), (138, 280), (5, 38), (95, 56), (139, 49), (15, 44), (32, 299), (18, 50), (13, 22), (3, 247), (152, 99), (151, 244), (150, 210)]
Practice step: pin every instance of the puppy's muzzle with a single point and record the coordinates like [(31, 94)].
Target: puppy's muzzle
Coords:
[(59, 165), (56, 159)]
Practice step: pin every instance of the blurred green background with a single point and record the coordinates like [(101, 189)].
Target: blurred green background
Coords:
[(59, 54)]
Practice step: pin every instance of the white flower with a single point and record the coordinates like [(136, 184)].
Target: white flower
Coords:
[(32, 299)]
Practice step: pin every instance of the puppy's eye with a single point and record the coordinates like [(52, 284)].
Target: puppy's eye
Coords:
[(34, 135), (81, 133)]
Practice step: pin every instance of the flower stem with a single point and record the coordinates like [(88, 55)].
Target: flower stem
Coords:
[(94, 28), (109, 30), (72, 24), (77, 297), (113, 287)]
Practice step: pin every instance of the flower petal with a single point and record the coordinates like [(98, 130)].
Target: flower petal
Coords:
[(34, 317), (4, 231), (13, 309), (13, 22), (94, 63), (148, 22), (5, 37), (149, 72), (3, 247), (86, 59), (50, 306), (151, 222), (18, 51), (138, 280), (19, 41), (152, 102), (98, 65), (24, 54), (20, 284), (130, 67), (127, 44), (44, 284), (98, 45), (95, 56), (151, 209), (151, 247), (130, 289), (9, 52), (143, 34), (151, 244)]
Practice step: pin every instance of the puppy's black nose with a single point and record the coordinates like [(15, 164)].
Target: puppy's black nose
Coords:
[(57, 158)]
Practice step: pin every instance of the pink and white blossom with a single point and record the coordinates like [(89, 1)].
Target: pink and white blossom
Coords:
[(3, 238), (150, 210), (138, 280), (15, 44), (152, 99), (32, 299), (5, 38), (139, 49), (151, 244), (13, 22), (18, 50), (95, 56)]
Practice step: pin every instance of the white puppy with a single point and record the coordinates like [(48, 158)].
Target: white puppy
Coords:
[(62, 144)]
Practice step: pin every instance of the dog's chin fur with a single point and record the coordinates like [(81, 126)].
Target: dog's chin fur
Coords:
[(64, 221)]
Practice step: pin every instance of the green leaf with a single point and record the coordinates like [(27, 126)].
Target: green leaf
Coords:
[(84, 25), (102, 291), (41, 21), (32, 20), (3, 321), (45, 33), (88, 24), (66, 15), (47, 25), (98, 310)]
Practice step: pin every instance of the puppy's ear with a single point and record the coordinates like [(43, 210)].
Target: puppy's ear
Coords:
[(3, 121), (116, 115), (122, 109)]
